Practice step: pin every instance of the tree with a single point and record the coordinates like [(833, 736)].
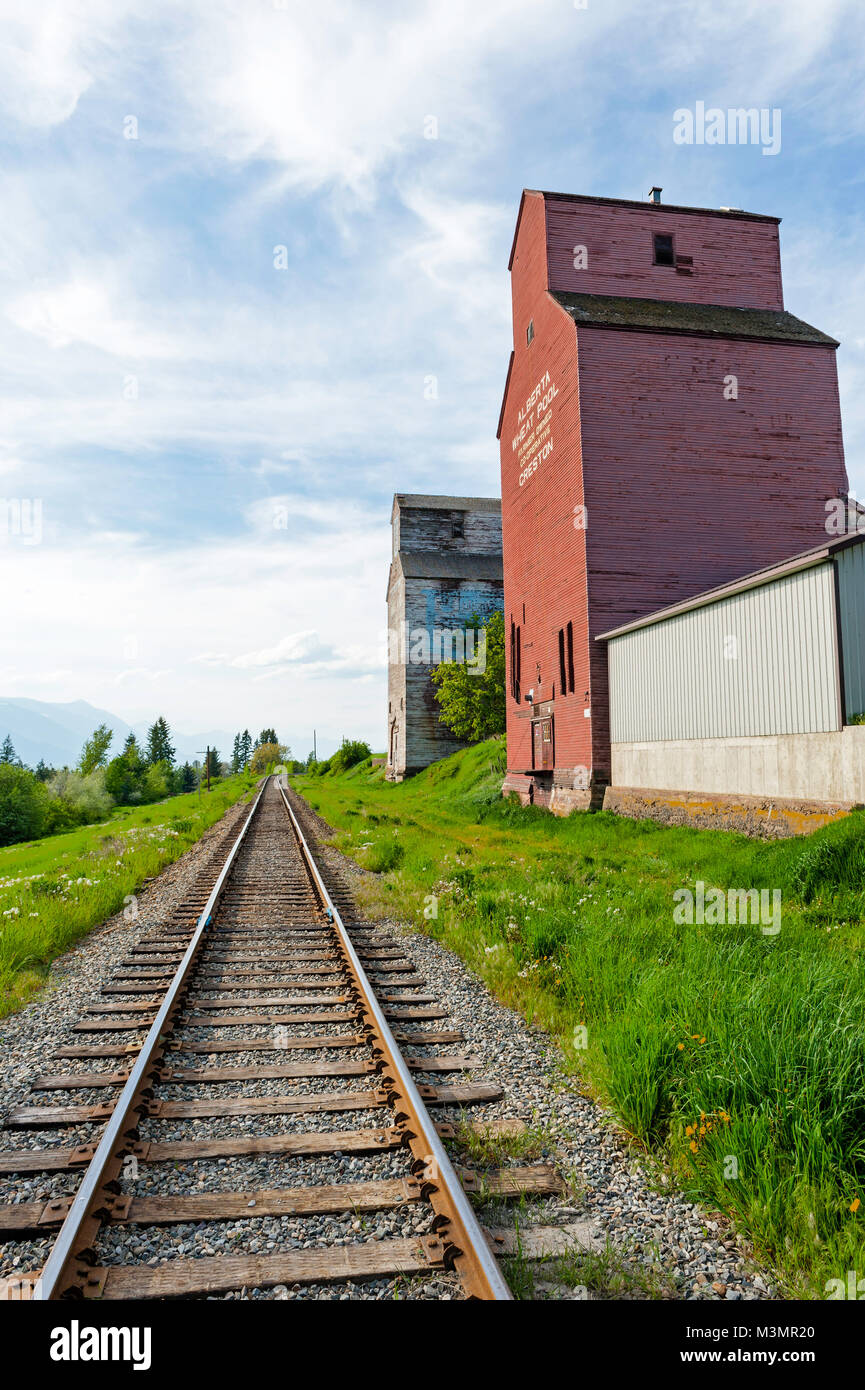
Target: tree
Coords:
[(124, 776), (159, 745), (185, 779), (266, 736), (95, 751), (471, 696), (266, 754), (212, 762), (7, 752), (23, 804), (43, 772), (157, 781)]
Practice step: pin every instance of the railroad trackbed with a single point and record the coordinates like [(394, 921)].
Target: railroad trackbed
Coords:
[(194, 1131)]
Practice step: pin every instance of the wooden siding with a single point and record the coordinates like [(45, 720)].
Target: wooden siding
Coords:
[(683, 488), (735, 261), (416, 736)]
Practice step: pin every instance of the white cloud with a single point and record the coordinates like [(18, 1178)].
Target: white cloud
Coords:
[(297, 647), (304, 126)]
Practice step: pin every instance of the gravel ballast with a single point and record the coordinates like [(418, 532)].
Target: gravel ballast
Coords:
[(658, 1243), (683, 1251)]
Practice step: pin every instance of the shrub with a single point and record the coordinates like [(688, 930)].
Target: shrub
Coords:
[(350, 751), (385, 856), (157, 780), (831, 861), (84, 795), (23, 805)]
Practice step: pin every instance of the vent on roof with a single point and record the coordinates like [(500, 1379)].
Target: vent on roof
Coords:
[(655, 194)]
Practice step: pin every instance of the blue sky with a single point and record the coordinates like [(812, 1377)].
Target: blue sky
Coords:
[(170, 394)]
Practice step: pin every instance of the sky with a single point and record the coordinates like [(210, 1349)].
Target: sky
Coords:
[(253, 281)]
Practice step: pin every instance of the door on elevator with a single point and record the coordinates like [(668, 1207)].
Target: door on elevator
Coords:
[(542, 744)]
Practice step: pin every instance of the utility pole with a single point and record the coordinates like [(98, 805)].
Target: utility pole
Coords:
[(314, 749)]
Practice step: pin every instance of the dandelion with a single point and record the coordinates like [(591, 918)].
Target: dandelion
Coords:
[(855, 1204)]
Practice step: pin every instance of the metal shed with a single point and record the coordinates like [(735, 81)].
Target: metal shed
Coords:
[(719, 693)]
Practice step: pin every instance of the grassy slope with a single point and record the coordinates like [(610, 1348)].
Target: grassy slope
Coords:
[(735, 1056), (54, 890)]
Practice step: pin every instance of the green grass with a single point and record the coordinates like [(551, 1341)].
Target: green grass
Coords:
[(736, 1058), (53, 891)]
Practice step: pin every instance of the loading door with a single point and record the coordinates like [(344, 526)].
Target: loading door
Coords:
[(542, 744)]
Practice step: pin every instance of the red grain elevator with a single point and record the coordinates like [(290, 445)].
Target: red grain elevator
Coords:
[(666, 427)]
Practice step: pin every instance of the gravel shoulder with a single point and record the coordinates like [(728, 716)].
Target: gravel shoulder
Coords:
[(28, 1037), (637, 1238), (632, 1238)]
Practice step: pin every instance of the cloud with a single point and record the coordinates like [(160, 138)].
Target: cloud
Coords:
[(297, 647), (231, 512), (80, 311)]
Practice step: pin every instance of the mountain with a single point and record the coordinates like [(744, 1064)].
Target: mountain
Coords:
[(55, 731)]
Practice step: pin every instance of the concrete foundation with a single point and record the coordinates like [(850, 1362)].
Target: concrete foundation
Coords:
[(766, 817), (820, 767)]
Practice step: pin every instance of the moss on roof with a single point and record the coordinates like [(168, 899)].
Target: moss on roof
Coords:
[(702, 320)]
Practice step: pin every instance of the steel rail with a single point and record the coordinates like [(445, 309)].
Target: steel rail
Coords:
[(49, 1285), (473, 1257)]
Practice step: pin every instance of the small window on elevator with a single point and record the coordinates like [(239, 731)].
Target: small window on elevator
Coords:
[(665, 253), (458, 525), (563, 682), (571, 658)]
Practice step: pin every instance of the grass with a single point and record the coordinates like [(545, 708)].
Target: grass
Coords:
[(736, 1058), (604, 1274), (484, 1149), (53, 891)]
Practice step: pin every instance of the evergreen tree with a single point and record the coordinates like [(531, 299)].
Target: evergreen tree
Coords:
[(124, 776), (159, 745), (236, 755), (266, 736), (213, 761), (43, 772), (186, 778), (7, 752), (245, 748)]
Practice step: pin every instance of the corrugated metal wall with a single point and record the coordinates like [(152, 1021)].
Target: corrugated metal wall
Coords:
[(680, 679), (851, 594)]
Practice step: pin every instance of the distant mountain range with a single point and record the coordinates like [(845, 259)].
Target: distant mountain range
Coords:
[(56, 732)]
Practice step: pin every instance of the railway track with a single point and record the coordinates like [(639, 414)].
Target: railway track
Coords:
[(254, 1034)]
